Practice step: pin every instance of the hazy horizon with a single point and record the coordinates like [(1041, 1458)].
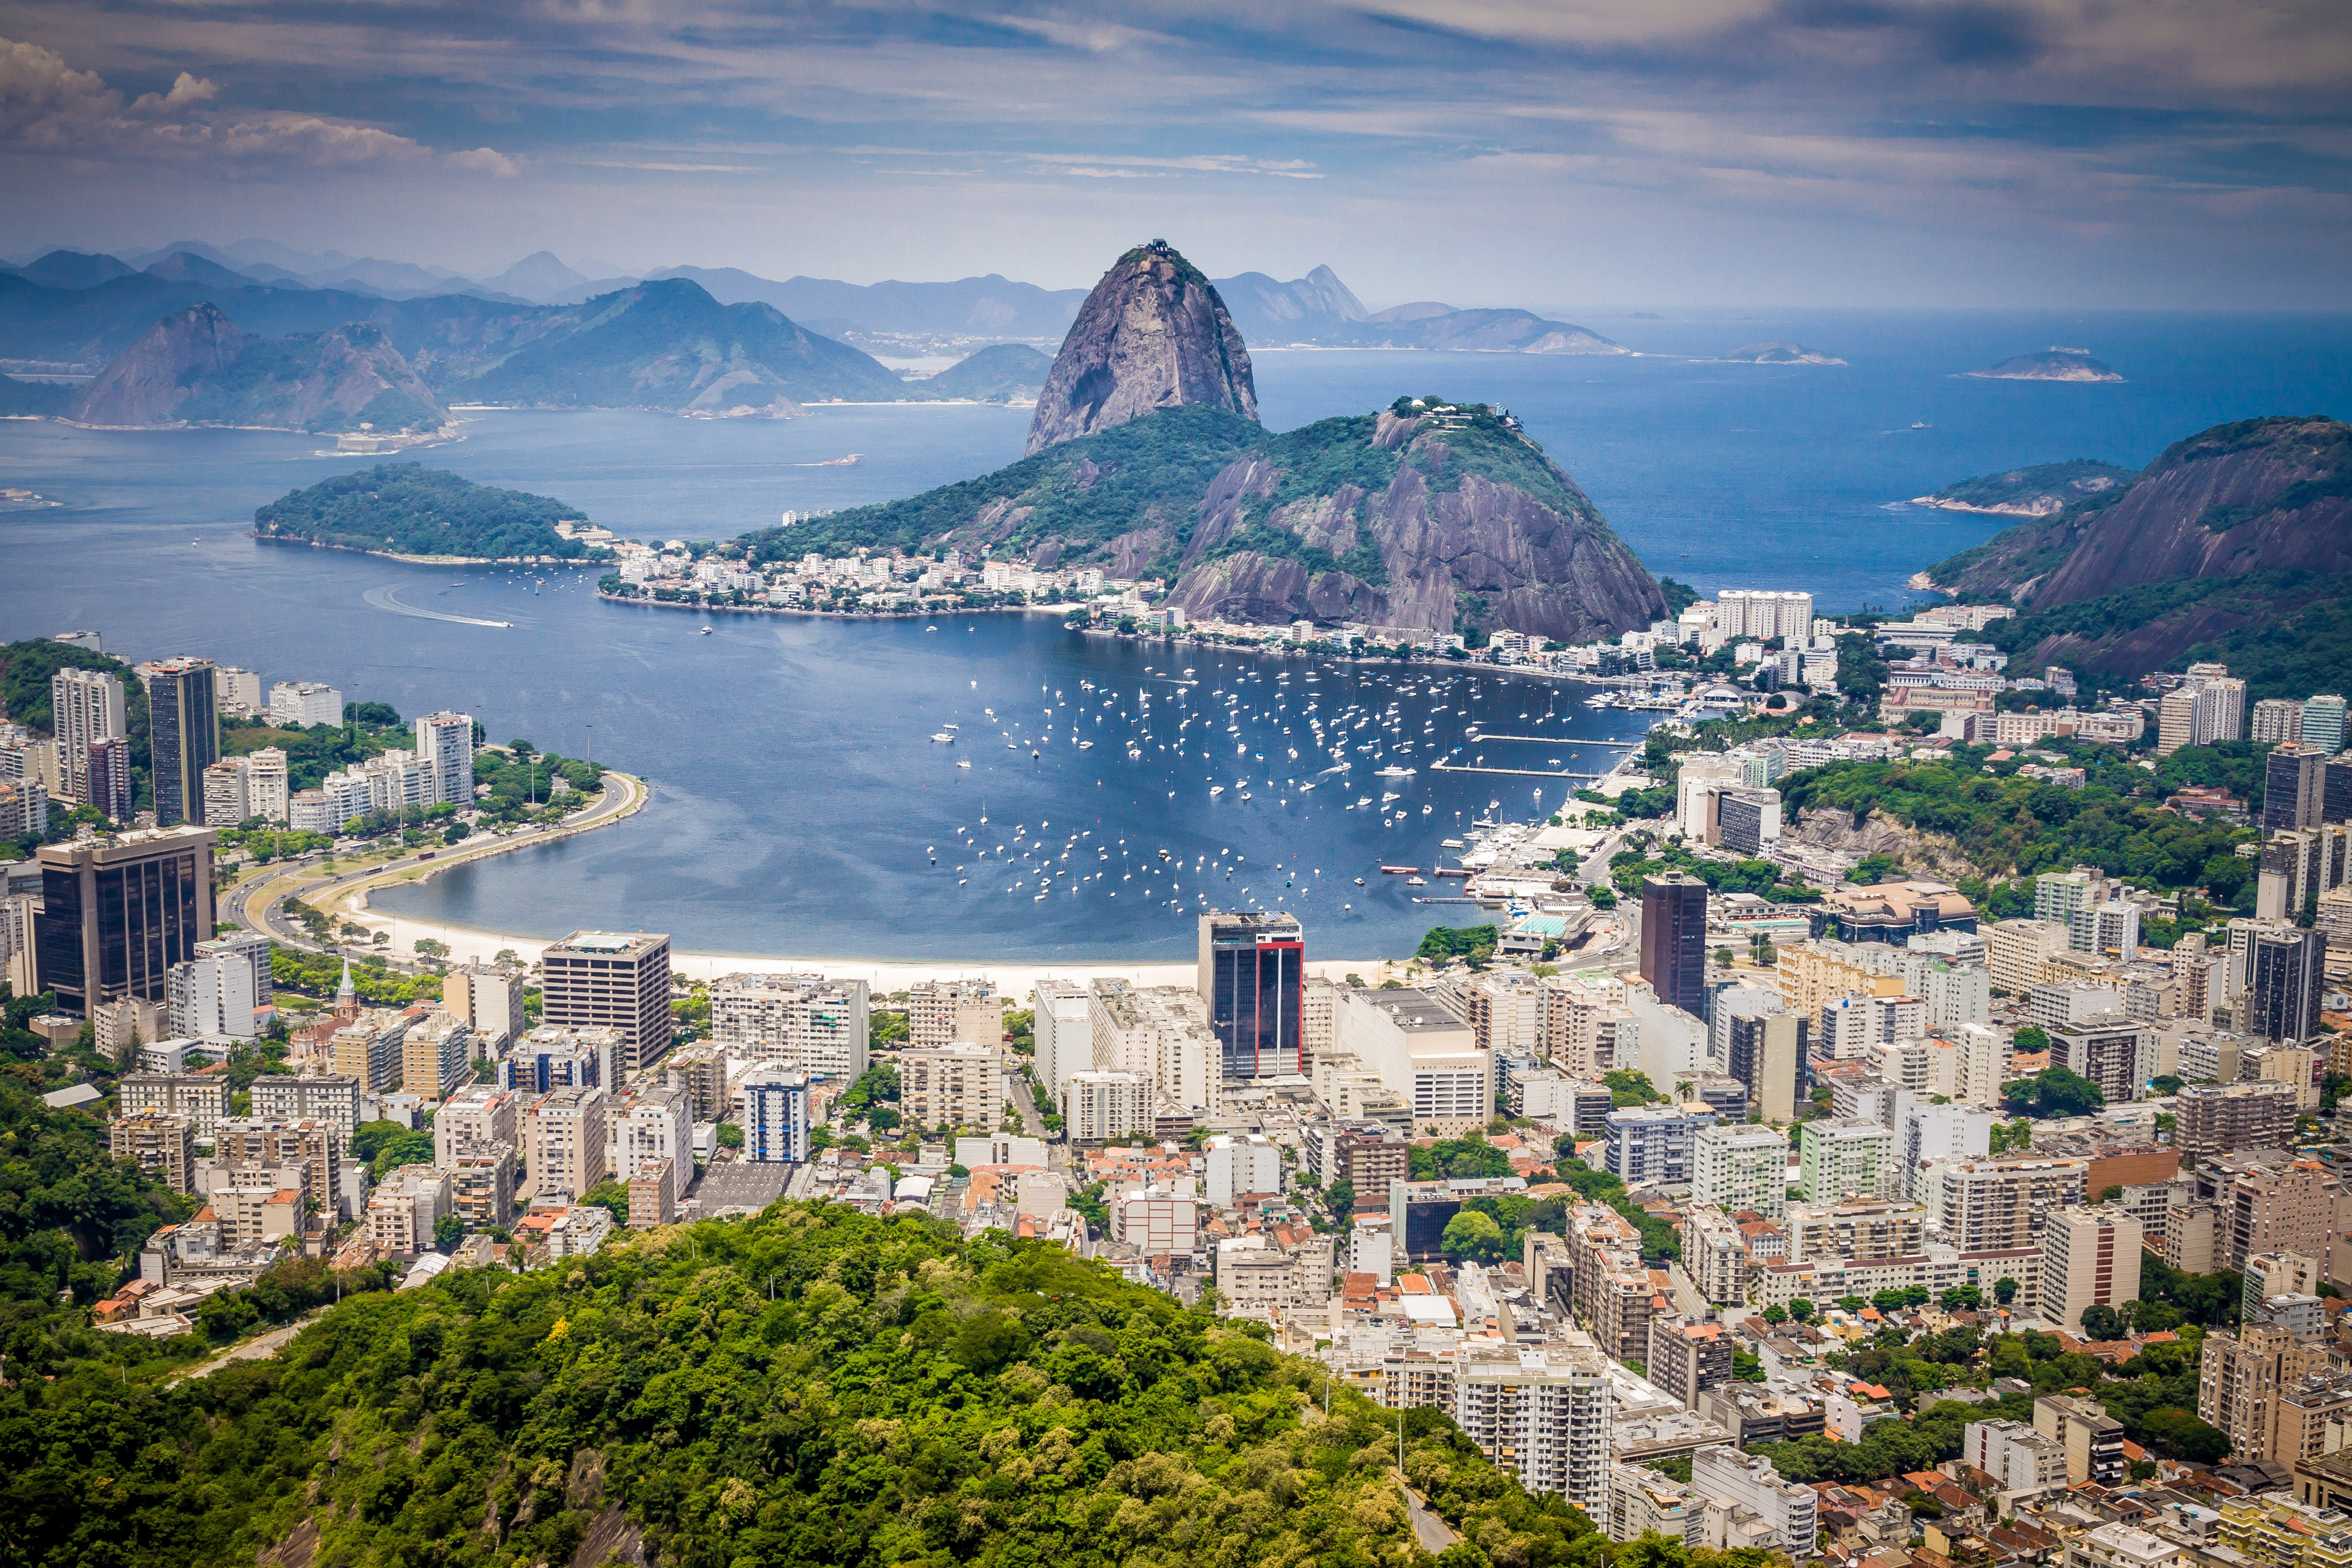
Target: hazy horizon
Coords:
[(1749, 155)]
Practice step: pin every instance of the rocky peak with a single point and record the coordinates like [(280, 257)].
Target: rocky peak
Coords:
[(148, 382), (1152, 335)]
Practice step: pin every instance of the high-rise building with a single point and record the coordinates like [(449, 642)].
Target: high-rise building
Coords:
[(267, 790), (214, 994), (2225, 711), (1734, 1166), (2294, 787), (225, 793), (1778, 1516), (474, 1118), (564, 1142), (490, 997), (1674, 940), (2323, 721), (435, 1054), (86, 709), (961, 1085), (2178, 717), (2090, 1257), (108, 779), (771, 1106), (615, 980), (2277, 721), (117, 914), (1102, 1107), (300, 704), (163, 1145), (1657, 1144), (2111, 1051), (1686, 1359), (444, 743), (1542, 1415), (2288, 979), (819, 1025), (655, 1138), (1063, 1032), (1253, 974), (1766, 1052), (183, 735), (1838, 1159), (1987, 1205), (2216, 1118)]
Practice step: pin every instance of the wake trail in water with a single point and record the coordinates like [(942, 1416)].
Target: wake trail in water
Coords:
[(384, 599)]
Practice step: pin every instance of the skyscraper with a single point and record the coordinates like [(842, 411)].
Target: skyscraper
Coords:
[(613, 981), (2323, 721), (117, 914), (445, 743), (2287, 981), (1673, 939), (2294, 787), (183, 735), (86, 709), (107, 778), (1253, 979)]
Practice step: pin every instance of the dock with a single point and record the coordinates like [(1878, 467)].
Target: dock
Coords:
[(1441, 766), (1481, 737)]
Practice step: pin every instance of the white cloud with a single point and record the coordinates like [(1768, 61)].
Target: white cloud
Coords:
[(485, 161), (189, 89)]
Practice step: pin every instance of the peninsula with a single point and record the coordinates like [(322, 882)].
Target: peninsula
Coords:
[(2039, 491)]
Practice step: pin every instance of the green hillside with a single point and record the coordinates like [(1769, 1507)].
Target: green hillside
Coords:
[(813, 1386), (999, 373), (2042, 488), (406, 508)]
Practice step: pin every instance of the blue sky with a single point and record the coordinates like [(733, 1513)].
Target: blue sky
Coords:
[(1549, 153)]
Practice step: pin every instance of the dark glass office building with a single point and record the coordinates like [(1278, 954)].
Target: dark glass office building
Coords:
[(117, 914), (1253, 979), (183, 735), (1674, 940)]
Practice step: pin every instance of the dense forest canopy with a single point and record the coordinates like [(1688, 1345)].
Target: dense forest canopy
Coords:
[(406, 508)]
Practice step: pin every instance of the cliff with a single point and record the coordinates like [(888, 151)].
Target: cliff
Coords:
[(196, 367), (1152, 335), (1428, 516), (2229, 532)]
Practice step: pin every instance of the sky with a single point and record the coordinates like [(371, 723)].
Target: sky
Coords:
[(1544, 153)]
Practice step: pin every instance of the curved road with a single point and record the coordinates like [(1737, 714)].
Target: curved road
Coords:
[(238, 905)]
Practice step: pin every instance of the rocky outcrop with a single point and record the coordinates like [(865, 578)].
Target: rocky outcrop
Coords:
[(1830, 828), (2257, 496), (149, 381), (1153, 335), (2052, 364), (196, 367)]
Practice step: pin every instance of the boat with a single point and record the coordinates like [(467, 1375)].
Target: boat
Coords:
[(1416, 882), (1215, 789), (704, 632), (1246, 794), (1359, 882), (1428, 810), (1393, 771), (1451, 871), (1398, 870), (943, 738), (1086, 746), (965, 763)]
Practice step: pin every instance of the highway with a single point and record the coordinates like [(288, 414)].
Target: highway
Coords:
[(272, 889)]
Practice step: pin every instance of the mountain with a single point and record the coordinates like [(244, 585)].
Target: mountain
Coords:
[(186, 266), (1152, 335), (1303, 310), (74, 269), (20, 398), (196, 367), (989, 307), (2236, 532), (2035, 492), (1779, 354), (1483, 331), (544, 279), (668, 344), (1002, 372), (405, 508), (2052, 364), (1431, 515)]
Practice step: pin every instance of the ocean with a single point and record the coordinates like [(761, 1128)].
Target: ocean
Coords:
[(802, 808)]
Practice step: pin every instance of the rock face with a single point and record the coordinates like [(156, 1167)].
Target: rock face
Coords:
[(149, 381), (1442, 548), (1153, 335), (196, 367)]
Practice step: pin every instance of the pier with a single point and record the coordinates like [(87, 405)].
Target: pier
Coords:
[(1441, 766)]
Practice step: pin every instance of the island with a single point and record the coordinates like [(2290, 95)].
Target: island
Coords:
[(2039, 491), (410, 512), (1777, 354), (2052, 364), (1002, 372)]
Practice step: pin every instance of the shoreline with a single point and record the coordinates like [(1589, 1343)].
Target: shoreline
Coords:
[(298, 541)]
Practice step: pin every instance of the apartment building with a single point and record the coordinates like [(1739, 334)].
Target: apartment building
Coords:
[(602, 980), (2115, 1052), (482, 1187), (2285, 1207), (2093, 1440), (2026, 1463), (1105, 1107), (1159, 1033), (1424, 1055), (1985, 1206), (315, 1147), (656, 1134), (1686, 1358), (1544, 1415), (333, 1100), (490, 997), (1580, 1016), (371, 1049), (942, 1012), (1865, 1230), (2019, 951), (2241, 1377), (404, 1210), (961, 1085), (804, 1022), (771, 1105), (161, 1143), (436, 1056), (1063, 1031), (200, 1097), (1657, 1144), (1750, 1506), (1643, 1501), (1844, 1158), (2090, 1257), (2217, 1118), (1737, 1167), (564, 1142)]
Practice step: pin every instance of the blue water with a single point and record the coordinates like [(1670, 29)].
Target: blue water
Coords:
[(797, 795)]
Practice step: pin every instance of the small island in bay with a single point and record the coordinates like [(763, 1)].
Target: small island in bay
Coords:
[(2038, 491), (414, 513), (1777, 354), (2052, 364)]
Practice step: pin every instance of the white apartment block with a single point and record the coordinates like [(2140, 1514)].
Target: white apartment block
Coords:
[(444, 743), (1422, 1054), (474, 1119), (1158, 1222), (2022, 1459), (1988, 1206), (959, 1085), (268, 794), (1931, 1131), (1842, 1159), (213, 995), (564, 1142), (2021, 951), (1063, 1030), (1580, 1016), (771, 1105), (1544, 1415), (1736, 1167), (1642, 1501), (1786, 1511), (656, 1133), (804, 1022), (1105, 1107), (1763, 614), (1246, 1163), (1159, 1033), (402, 1213), (941, 1012), (490, 997), (304, 703)]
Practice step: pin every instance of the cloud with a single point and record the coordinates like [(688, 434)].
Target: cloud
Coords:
[(48, 108), (1097, 166)]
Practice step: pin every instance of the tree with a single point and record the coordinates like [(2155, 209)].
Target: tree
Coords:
[(2055, 1092), (1473, 1235), (1850, 1303), (729, 1134), (447, 1231), (1775, 1314), (611, 1195), (1960, 1298), (2101, 1322), (2004, 1289), (1801, 1310), (1340, 1197)]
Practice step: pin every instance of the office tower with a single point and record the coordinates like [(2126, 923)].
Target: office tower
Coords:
[(2287, 982), (607, 979), (771, 1107), (2276, 722), (116, 916), (1253, 974), (2090, 1257), (86, 709), (2294, 781), (2323, 721), (183, 735), (444, 743), (1673, 939), (1766, 1052), (107, 778)]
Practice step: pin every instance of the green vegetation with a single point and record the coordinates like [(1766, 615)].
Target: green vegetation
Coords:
[(318, 973), (2052, 1093), (45, 399), (273, 381), (2289, 630), (521, 777), (1474, 1236), (2052, 485), (1458, 1158), (1629, 1088), (385, 1146), (1680, 596), (406, 508), (1660, 1241), (1628, 867), (1444, 944), (903, 1398)]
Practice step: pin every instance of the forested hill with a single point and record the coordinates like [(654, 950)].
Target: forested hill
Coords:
[(406, 508), (814, 1386)]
